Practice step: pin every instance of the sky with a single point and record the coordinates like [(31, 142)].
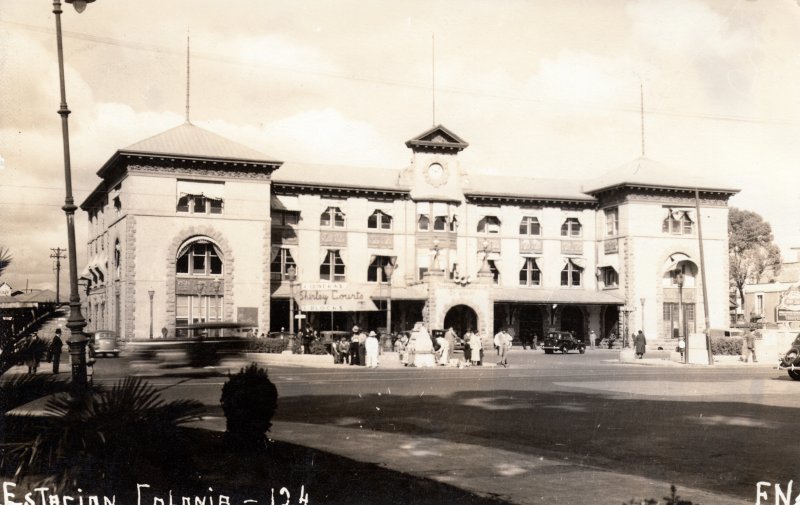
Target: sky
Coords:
[(538, 88)]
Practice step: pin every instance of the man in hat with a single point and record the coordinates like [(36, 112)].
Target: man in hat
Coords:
[(55, 350), (371, 346)]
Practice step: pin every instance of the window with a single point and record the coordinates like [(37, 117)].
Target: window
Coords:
[(489, 225), (200, 258), (612, 221), (117, 256), (200, 197), (192, 309), (332, 268), (285, 218), (440, 223), (375, 272), (379, 220), (571, 274), (677, 222), (424, 223), (610, 277), (759, 304), (283, 261), (529, 226), (117, 206), (333, 217), (530, 275), (571, 227)]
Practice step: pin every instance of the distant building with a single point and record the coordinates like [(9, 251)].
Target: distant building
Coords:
[(777, 300), (5, 289), (215, 230)]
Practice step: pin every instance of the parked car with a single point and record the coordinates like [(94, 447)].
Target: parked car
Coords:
[(791, 360), (104, 343), (563, 341)]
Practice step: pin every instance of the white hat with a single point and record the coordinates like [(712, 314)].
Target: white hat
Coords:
[(373, 334)]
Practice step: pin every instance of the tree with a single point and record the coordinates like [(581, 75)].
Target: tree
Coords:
[(5, 259), (752, 251)]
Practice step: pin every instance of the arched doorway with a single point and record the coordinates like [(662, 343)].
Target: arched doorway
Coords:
[(572, 320), (462, 318), (531, 323)]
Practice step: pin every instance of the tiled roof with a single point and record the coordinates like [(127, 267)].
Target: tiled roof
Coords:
[(646, 172), (525, 187), (338, 176), (190, 141)]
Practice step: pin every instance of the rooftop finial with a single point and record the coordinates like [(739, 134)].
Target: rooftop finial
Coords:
[(187, 76)]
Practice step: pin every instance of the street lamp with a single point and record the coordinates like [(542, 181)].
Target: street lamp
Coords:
[(151, 293), (76, 323), (388, 269), (291, 275)]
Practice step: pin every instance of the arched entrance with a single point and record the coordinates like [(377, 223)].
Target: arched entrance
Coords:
[(572, 320), (531, 323), (462, 318)]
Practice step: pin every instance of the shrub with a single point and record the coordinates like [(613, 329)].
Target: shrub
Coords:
[(318, 347), (249, 400), (726, 346), (269, 345)]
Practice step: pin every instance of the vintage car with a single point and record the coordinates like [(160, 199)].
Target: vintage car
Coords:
[(562, 341), (104, 343), (791, 360)]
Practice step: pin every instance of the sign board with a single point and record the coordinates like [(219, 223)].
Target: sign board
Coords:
[(333, 297), (789, 305), (300, 316)]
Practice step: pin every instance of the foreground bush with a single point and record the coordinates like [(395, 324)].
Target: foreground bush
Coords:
[(726, 346), (269, 345), (249, 400), (98, 439)]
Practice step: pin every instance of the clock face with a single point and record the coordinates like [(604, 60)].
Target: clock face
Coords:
[(435, 171)]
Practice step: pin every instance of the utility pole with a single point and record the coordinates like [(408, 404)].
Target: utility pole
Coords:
[(58, 255)]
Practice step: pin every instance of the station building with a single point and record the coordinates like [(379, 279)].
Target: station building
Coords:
[(187, 226)]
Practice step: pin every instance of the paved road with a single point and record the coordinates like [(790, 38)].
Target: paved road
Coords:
[(721, 429)]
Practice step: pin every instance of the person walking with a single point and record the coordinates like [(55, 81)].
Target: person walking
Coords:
[(640, 344), (362, 349), (32, 353), (592, 339), (306, 338), (502, 340), (749, 346), (371, 345), (443, 354), (354, 347), (681, 346), (55, 350)]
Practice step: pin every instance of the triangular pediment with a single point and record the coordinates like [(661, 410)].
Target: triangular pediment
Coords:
[(437, 138)]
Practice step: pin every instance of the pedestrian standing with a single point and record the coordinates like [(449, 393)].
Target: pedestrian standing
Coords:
[(55, 350), (749, 346), (475, 348), (362, 349), (371, 346), (32, 353), (681, 346), (640, 344), (502, 340), (467, 346), (592, 339), (306, 339), (354, 346)]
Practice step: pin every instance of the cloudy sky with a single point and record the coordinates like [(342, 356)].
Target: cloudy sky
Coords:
[(536, 87)]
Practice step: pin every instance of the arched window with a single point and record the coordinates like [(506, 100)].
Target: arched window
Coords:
[(571, 227), (530, 275), (440, 223), (677, 222), (379, 220), (489, 225), (571, 274), (117, 257), (332, 267), (333, 217), (529, 226), (199, 257)]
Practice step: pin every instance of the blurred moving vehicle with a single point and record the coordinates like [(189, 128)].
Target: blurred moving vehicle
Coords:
[(791, 360), (105, 343), (562, 341), (199, 345)]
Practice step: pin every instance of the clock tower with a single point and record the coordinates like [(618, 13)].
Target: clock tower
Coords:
[(435, 174)]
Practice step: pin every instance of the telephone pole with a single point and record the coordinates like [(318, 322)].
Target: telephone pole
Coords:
[(58, 255)]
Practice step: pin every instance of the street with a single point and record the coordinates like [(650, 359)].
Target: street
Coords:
[(722, 429)]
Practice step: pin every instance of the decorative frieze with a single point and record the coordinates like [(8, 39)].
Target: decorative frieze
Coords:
[(571, 247), (445, 240), (333, 238), (611, 246), (489, 244), (380, 240), (530, 246)]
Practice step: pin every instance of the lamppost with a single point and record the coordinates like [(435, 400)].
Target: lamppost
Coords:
[(679, 279), (388, 269), (641, 300), (76, 323), (151, 293), (291, 275)]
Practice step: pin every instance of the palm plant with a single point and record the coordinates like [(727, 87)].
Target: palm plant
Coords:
[(111, 439), (5, 259)]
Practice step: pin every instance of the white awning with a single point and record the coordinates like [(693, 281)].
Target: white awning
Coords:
[(423, 208), (212, 190), (440, 209)]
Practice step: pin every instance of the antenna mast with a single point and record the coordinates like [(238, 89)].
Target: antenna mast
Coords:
[(433, 77), (641, 109), (187, 76)]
